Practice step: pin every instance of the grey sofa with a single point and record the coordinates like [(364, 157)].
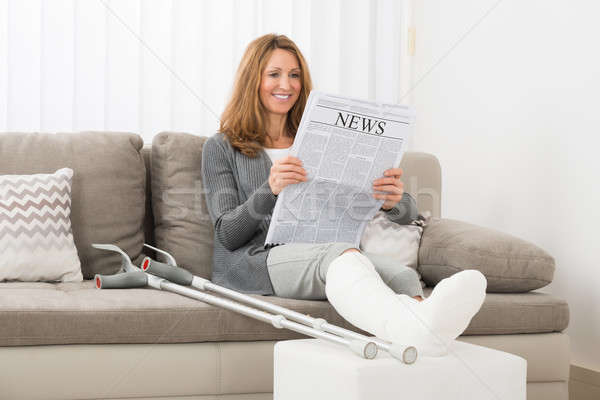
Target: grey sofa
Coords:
[(72, 341)]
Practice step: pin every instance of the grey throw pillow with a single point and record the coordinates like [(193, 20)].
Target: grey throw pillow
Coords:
[(36, 240), (510, 264)]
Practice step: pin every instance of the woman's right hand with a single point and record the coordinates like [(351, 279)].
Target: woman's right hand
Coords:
[(286, 171)]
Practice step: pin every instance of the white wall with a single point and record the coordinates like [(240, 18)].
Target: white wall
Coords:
[(507, 97), (146, 66)]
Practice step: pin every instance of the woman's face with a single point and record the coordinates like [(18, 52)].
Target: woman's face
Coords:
[(281, 82)]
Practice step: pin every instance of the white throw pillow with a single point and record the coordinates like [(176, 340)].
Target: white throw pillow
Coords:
[(36, 240), (401, 242)]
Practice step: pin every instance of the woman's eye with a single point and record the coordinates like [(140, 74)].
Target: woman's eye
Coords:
[(274, 74), (295, 76)]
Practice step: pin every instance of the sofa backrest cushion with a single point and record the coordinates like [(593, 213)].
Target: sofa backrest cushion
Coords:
[(108, 192), (182, 226), (422, 178)]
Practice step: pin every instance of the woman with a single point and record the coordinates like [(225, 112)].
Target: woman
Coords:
[(246, 166)]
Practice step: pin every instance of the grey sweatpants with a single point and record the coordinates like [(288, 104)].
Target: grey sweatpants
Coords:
[(299, 270)]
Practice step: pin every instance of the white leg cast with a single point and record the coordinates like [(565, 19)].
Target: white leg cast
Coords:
[(359, 294)]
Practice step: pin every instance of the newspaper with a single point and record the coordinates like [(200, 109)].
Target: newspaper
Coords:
[(344, 145)]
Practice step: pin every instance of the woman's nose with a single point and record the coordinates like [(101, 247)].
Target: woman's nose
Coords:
[(284, 82)]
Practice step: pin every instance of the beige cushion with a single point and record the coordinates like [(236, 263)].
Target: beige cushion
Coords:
[(33, 313), (182, 224), (510, 264), (36, 240), (108, 187)]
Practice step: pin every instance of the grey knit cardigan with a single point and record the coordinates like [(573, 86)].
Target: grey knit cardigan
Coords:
[(240, 204)]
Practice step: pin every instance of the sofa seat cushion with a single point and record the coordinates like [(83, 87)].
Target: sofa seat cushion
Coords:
[(39, 313)]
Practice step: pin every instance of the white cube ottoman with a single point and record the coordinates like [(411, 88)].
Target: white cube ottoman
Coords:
[(312, 369)]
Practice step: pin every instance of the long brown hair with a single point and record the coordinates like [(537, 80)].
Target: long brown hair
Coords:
[(243, 121)]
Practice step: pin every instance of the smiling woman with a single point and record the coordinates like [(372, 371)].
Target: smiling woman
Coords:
[(242, 183)]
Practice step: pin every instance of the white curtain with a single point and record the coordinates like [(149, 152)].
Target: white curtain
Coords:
[(147, 66)]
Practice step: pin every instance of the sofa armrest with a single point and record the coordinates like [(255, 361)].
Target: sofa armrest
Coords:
[(510, 264)]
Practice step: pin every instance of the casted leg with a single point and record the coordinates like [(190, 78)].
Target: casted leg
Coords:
[(359, 294)]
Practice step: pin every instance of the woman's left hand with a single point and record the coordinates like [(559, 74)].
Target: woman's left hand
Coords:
[(389, 188)]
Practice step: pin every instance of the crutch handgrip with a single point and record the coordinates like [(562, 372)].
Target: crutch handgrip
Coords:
[(171, 273), (121, 281)]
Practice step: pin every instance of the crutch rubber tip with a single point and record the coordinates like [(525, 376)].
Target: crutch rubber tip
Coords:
[(406, 354), (364, 349)]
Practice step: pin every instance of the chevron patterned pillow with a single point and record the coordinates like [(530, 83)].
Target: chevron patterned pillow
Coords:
[(36, 241)]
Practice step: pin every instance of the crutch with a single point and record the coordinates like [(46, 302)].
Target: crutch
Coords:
[(173, 273), (132, 276)]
